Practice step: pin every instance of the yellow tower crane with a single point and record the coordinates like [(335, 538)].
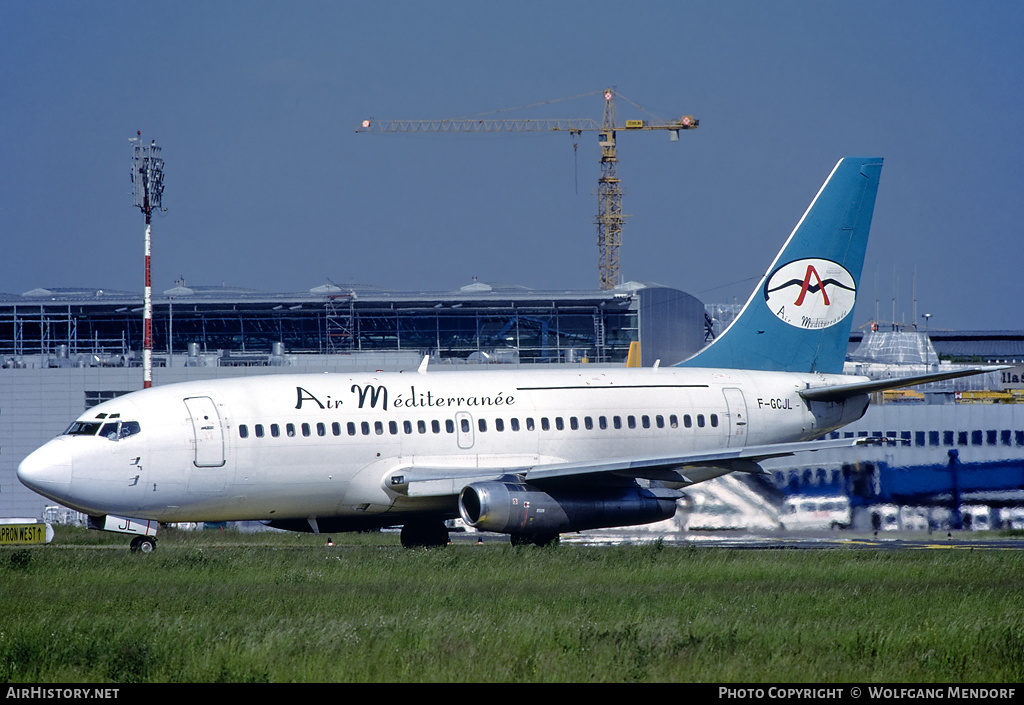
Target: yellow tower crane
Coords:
[(609, 188)]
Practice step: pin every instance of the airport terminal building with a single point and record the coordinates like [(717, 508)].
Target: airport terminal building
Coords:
[(236, 326)]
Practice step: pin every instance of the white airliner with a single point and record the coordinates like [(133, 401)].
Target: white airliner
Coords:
[(531, 453)]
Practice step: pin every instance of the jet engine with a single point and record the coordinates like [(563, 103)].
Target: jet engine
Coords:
[(519, 508)]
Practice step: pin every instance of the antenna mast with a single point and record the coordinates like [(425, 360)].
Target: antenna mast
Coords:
[(148, 178)]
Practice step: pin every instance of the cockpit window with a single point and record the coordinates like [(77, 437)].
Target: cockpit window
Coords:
[(83, 428), (114, 430), (129, 428)]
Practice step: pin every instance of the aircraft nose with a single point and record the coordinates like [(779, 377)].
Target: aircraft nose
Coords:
[(48, 470)]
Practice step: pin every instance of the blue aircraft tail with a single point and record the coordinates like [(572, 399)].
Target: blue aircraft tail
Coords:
[(799, 317)]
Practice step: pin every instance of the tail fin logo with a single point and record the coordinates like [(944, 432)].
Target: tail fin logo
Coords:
[(811, 293)]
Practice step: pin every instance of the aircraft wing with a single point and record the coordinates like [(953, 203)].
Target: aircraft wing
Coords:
[(673, 469), (840, 392), (421, 481)]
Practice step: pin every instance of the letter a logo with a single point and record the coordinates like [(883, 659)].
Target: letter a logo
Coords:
[(807, 285), (837, 288)]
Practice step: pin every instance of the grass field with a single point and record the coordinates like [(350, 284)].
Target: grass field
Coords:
[(209, 607)]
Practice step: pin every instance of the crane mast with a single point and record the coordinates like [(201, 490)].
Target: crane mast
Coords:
[(609, 203), (609, 187)]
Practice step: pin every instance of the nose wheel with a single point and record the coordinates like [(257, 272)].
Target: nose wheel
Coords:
[(143, 544)]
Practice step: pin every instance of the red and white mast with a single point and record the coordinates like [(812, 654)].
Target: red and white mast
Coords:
[(148, 177)]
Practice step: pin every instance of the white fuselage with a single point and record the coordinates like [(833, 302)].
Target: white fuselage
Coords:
[(324, 445)]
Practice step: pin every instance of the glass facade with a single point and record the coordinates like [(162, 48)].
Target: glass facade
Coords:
[(532, 327)]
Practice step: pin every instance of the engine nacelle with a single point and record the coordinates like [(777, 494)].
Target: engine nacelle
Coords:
[(515, 508)]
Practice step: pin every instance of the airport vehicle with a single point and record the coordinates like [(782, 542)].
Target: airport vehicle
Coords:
[(817, 513), (529, 453)]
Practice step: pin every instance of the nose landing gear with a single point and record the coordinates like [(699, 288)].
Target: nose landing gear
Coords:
[(143, 544)]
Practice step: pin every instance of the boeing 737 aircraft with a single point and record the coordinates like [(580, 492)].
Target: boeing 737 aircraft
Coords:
[(531, 453)]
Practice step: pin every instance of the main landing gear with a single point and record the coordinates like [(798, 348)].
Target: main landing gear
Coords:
[(424, 534), (534, 539)]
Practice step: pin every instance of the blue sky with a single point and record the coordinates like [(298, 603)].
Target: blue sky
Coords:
[(268, 186)]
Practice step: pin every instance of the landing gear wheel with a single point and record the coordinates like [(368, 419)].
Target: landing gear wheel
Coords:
[(534, 539), (427, 534), (143, 544)]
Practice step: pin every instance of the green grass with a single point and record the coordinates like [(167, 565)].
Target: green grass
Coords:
[(230, 607)]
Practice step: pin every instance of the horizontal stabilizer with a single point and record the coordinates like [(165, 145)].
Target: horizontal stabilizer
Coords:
[(845, 391)]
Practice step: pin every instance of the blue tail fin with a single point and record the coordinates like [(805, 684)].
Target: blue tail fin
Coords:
[(799, 317)]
